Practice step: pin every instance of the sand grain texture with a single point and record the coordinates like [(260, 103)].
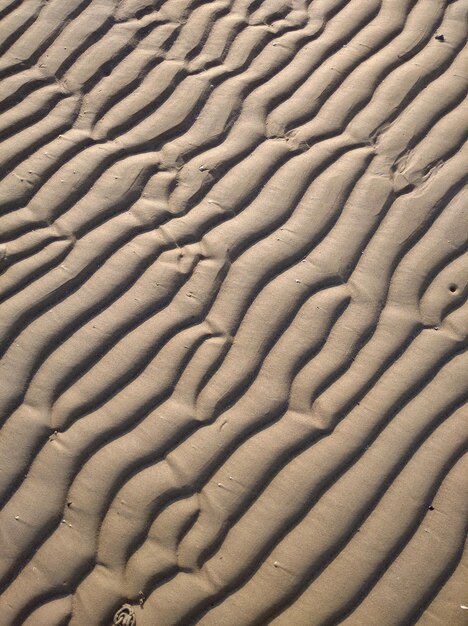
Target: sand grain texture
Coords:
[(234, 319)]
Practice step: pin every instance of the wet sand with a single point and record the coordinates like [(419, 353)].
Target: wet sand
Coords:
[(234, 319)]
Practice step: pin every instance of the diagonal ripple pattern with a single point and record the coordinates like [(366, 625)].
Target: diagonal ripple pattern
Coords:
[(234, 312)]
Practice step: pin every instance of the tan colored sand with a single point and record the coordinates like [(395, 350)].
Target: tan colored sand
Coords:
[(234, 320)]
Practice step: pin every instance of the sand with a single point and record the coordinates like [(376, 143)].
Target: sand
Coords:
[(234, 319)]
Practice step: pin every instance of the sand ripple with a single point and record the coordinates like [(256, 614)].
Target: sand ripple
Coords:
[(234, 320)]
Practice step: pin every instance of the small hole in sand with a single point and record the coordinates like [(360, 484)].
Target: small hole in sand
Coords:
[(453, 288)]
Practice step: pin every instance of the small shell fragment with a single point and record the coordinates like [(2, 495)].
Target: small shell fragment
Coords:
[(125, 616)]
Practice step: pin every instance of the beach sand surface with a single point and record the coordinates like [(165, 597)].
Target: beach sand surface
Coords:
[(233, 312)]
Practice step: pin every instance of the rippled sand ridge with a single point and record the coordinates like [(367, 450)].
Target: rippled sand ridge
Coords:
[(234, 319)]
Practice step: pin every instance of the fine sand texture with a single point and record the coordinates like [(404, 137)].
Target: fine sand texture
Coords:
[(234, 317)]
